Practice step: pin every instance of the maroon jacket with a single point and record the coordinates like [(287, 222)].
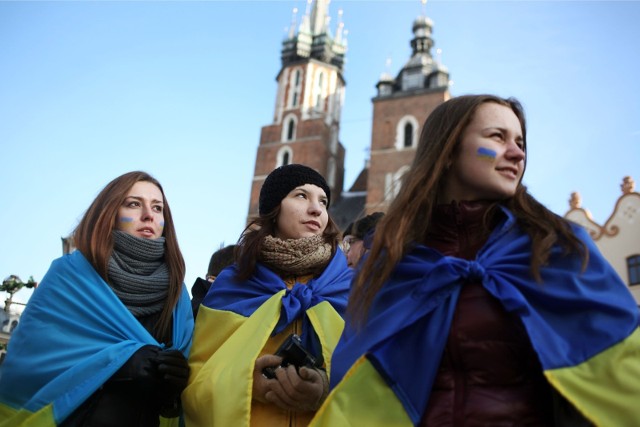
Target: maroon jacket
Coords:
[(489, 374)]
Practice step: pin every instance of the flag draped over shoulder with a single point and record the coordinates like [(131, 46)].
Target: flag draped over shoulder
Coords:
[(73, 336), (235, 321), (583, 326)]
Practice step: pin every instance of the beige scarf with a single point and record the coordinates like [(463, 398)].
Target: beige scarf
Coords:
[(297, 257)]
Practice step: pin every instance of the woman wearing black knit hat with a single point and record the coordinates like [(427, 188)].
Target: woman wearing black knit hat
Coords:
[(287, 291)]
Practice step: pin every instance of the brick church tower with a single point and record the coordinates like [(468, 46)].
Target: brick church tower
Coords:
[(399, 110), (309, 100)]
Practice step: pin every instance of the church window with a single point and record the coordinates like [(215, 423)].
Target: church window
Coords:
[(406, 133), (295, 88), (284, 156), (320, 90), (289, 128), (393, 183), (633, 267)]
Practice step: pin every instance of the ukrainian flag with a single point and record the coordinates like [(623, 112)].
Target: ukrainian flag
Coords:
[(235, 321), (74, 334), (582, 324)]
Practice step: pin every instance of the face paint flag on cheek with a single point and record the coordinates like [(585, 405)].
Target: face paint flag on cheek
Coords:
[(486, 154), (126, 221)]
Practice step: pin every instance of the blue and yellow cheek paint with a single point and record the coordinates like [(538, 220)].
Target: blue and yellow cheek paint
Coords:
[(161, 225), (486, 154), (125, 222)]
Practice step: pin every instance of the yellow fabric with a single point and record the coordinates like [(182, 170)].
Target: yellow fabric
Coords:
[(222, 359), (10, 417), (604, 388), (44, 418), (362, 398)]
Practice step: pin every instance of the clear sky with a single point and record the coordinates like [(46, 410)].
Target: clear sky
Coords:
[(90, 90)]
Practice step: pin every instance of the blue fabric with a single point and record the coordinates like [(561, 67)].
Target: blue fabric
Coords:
[(570, 316), (74, 335), (245, 297)]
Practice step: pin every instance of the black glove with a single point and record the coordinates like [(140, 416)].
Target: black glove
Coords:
[(141, 368), (173, 370)]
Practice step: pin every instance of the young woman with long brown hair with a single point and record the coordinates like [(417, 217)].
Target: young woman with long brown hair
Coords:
[(104, 338), (477, 305)]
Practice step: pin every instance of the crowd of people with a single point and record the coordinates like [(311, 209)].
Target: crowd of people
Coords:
[(466, 303)]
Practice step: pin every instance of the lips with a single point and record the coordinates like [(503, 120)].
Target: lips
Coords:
[(146, 231), (509, 171), (313, 224)]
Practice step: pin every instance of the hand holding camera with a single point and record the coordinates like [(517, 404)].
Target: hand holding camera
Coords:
[(293, 353), (298, 386)]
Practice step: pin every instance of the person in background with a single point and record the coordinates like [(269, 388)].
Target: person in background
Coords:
[(104, 338), (220, 259), (357, 237), (290, 277), (477, 305)]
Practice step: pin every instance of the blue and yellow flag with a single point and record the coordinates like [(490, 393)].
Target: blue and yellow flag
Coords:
[(74, 334), (582, 324), (235, 321)]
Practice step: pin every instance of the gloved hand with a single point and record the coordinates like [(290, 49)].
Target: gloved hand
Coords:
[(173, 370), (140, 369)]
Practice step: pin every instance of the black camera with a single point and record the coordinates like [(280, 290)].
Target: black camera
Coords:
[(293, 353)]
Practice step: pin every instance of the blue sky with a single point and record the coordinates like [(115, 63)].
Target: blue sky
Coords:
[(90, 90)]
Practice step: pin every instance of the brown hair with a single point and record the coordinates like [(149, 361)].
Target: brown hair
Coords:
[(409, 215), (249, 245), (93, 238)]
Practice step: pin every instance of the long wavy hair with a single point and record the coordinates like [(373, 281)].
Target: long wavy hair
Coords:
[(409, 215), (93, 237), (249, 246)]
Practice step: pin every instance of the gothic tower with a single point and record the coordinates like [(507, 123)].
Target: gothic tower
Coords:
[(399, 110), (309, 100)]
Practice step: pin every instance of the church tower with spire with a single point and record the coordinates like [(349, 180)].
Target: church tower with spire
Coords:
[(399, 109), (309, 99)]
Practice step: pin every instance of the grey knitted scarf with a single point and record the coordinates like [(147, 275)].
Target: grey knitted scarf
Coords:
[(138, 274)]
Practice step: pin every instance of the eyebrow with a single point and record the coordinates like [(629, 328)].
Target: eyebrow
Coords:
[(142, 198), (503, 130), (307, 192)]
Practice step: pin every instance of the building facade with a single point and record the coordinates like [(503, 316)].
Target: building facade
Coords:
[(619, 238), (309, 101)]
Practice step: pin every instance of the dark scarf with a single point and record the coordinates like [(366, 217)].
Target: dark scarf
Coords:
[(138, 274)]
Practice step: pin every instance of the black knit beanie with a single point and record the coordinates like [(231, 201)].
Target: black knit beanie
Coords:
[(284, 179)]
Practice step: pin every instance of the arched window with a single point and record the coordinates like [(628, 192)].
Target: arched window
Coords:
[(406, 133), (295, 87), (633, 268), (289, 128), (284, 156), (319, 90), (393, 183)]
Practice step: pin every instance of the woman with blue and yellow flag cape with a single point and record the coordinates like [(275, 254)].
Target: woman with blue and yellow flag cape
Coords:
[(290, 277), (477, 305), (104, 338)]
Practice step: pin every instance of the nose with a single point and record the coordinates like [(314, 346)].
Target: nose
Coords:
[(315, 207), (147, 213), (515, 153)]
